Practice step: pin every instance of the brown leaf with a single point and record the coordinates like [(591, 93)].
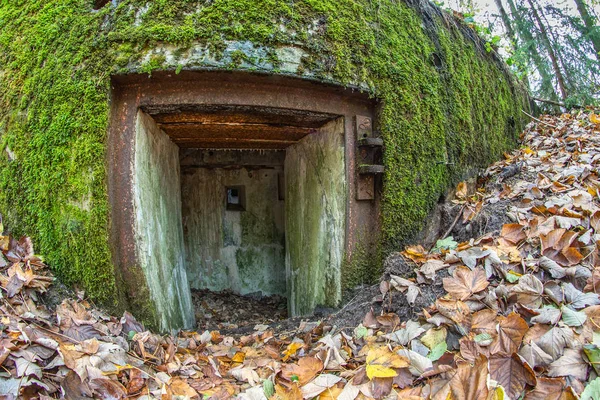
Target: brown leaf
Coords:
[(470, 350), (465, 282), (306, 369), (511, 330), (555, 340), (461, 191), (370, 321), (593, 282), (283, 393), (381, 387), (74, 388), (551, 389), (470, 381), (556, 245), (570, 364), (513, 233), (136, 381), (108, 389), (512, 374), (455, 310), (180, 387), (484, 321), (403, 378), (529, 291), (389, 320)]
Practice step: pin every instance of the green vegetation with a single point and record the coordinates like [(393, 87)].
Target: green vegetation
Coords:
[(57, 57)]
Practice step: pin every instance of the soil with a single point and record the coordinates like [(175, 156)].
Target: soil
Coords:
[(228, 312)]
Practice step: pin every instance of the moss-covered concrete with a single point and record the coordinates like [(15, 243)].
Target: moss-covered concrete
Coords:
[(447, 104)]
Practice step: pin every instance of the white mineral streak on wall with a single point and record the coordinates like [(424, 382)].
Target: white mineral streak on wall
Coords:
[(158, 230)]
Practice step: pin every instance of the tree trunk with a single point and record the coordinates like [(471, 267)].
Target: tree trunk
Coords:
[(532, 51), (559, 55), (546, 40), (507, 23), (590, 24)]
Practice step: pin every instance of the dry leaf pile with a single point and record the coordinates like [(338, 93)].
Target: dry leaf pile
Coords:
[(521, 317)]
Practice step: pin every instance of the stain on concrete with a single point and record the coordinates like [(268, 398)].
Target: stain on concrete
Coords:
[(315, 219), (157, 224), (242, 251)]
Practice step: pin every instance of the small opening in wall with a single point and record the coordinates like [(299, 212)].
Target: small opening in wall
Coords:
[(511, 122), (236, 198), (437, 61), (98, 4)]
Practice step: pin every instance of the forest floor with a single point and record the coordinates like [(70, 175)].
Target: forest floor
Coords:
[(505, 306)]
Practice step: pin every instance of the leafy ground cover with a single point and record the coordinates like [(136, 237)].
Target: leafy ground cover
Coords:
[(519, 316)]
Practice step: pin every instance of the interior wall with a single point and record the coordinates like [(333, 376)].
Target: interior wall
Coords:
[(225, 249), (316, 200), (157, 224)]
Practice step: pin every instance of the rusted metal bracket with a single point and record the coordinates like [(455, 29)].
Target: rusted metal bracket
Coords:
[(364, 127), (368, 158)]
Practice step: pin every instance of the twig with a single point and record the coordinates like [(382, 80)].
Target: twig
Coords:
[(539, 120), (556, 103), (449, 230)]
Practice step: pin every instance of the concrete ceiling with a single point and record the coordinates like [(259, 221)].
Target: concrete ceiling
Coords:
[(236, 127)]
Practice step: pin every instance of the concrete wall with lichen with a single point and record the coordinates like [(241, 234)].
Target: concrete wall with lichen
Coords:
[(242, 251), (448, 105), (315, 219), (157, 225)]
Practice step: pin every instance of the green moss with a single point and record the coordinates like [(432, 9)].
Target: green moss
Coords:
[(57, 57)]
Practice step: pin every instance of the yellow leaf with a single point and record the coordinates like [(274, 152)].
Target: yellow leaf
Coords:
[(381, 361), (461, 190), (527, 150), (496, 394), (595, 119), (380, 371), (331, 393), (238, 357), (434, 336), (292, 349)]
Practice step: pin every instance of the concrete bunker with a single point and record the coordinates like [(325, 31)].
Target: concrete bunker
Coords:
[(239, 182)]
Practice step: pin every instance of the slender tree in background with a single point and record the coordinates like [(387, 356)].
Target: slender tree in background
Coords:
[(549, 49), (528, 45), (591, 29), (510, 31), (553, 45)]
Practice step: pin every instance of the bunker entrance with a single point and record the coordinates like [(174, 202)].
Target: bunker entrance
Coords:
[(240, 211)]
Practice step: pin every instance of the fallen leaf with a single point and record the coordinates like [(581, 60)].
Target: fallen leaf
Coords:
[(511, 330), (592, 390), (381, 363), (470, 381), (512, 374), (513, 233), (319, 385), (570, 364), (551, 389), (417, 363), (465, 282), (405, 335), (306, 369)]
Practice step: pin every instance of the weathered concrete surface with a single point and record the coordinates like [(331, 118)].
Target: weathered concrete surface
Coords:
[(157, 224), (315, 219), (195, 91), (238, 250)]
